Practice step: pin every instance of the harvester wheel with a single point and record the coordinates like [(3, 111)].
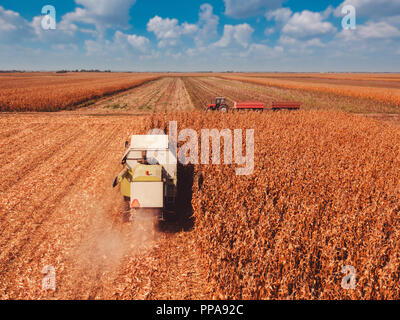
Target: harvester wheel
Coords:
[(224, 109)]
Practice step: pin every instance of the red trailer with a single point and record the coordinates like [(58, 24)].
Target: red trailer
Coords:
[(286, 105), (221, 105), (255, 105), (252, 105)]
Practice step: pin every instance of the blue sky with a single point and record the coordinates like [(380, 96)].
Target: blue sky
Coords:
[(219, 35)]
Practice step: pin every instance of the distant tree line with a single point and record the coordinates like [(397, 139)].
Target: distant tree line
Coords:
[(82, 70), (11, 71), (59, 71)]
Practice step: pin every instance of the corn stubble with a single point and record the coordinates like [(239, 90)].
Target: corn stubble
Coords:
[(324, 194)]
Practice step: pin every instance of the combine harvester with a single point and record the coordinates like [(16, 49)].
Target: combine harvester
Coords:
[(148, 180), (221, 106)]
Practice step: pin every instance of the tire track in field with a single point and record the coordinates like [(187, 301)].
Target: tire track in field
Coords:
[(14, 134), (238, 90), (143, 99), (34, 234), (102, 150), (21, 140), (34, 202), (86, 282), (127, 100), (16, 168), (232, 91), (65, 214), (198, 98), (165, 94), (165, 99), (181, 100), (152, 96)]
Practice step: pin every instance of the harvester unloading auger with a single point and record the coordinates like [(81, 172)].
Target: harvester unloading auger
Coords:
[(149, 177)]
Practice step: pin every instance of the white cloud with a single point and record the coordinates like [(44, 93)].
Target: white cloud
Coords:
[(378, 30), (119, 47), (280, 15), (65, 31), (9, 20), (370, 30), (307, 24), (137, 42), (169, 31), (302, 41), (372, 8), (269, 31), (154, 55), (288, 40), (164, 28), (101, 13), (300, 44), (96, 47), (65, 47), (208, 25), (315, 42), (188, 28), (240, 34), (13, 27), (262, 51), (394, 21), (248, 8)]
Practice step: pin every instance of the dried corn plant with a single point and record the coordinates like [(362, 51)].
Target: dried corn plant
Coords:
[(382, 94), (324, 195), (50, 92)]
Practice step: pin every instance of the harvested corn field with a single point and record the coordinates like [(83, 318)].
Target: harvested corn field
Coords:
[(163, 95), (58, 209)]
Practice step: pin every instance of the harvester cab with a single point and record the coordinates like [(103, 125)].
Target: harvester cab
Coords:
[(219, 105), (148, 180)]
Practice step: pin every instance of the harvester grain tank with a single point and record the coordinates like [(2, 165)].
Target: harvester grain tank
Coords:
[(148, 180)]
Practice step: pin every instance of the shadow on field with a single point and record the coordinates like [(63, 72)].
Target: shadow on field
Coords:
[(182, 219)]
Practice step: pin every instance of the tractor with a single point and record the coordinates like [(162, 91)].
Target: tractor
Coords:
[(219, 105)]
